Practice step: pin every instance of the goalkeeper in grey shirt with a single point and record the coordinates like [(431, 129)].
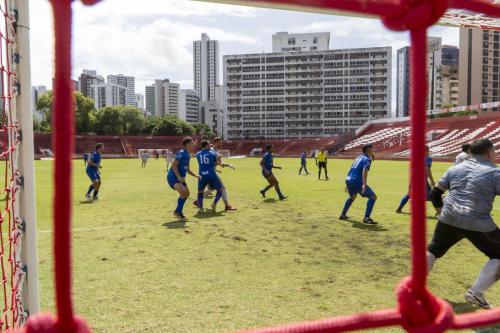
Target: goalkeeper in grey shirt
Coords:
[(466, 214)]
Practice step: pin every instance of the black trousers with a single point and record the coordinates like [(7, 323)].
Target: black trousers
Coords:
[(446, 236), (322, 165)]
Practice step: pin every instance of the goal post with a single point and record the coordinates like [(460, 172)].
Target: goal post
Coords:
[(21, 103)]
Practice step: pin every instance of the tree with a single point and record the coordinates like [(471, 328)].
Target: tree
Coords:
[(108, 121), (44, 106), (132, 120), (172, 125), (84, 113), (203, 129)]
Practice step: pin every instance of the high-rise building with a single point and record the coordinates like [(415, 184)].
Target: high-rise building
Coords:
[(442, 70), (167, 98), (206, 67), (150, 100), (87, 79), (306, 94), (285, 42), (109, 94), (139, 101), (479, 66), (127, 82), (449, 76), (403, 82), (189, 109), (36, 93), (212, 112)]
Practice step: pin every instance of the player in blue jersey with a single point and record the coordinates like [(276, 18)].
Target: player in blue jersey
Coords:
[(267, 171), (357, 183), (429, 183), (207, 161), (303, 163), (177, 173), (93, 167)]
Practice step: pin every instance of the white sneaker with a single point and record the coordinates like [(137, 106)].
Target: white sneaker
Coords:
[(88, 197), (478, 299)]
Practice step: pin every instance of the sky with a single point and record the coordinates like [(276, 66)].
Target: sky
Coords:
[(153, 39)]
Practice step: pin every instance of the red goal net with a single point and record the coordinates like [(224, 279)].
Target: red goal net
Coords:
[(418, 310)]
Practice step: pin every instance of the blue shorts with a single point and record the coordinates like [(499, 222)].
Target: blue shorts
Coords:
[(172, 180), (357, 188), (268, 175), (93, 174), (211, 180)]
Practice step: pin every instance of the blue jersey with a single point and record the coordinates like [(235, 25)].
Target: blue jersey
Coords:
[(428, 161), (360, 164), (303, 158), (182, 157), (268, 161), (96, 158), (207, 160)]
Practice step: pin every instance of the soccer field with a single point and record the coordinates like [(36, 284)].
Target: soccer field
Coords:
[(270, 262)]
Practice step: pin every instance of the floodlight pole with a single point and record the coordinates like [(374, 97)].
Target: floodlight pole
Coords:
[(26, 159)]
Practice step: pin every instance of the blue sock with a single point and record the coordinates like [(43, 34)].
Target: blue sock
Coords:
[(369, 207), (347, 205), (218, 195), (200, 200), (404, 201), (180, 205), (91, 188)]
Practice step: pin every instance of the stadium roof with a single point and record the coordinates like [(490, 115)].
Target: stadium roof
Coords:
[(454, 18)]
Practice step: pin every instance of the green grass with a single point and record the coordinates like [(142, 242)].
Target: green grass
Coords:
[(138, 270)]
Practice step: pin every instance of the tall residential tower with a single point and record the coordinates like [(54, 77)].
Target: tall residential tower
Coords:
[(206, 67)]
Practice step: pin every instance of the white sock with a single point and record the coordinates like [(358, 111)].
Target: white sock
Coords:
[(488, 276), (224, 196), (431, 259)]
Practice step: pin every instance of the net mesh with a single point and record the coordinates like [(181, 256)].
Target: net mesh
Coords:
[(11, 225)]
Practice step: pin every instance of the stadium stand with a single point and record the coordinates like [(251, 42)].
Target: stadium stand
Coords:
[(445, 136)]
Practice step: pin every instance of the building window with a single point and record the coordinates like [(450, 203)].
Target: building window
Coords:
[(315, 40), (291, 41)]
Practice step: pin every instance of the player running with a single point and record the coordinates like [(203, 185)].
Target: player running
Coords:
[(207, 161), (429, 184), (464, 155), (357, 183), (466, 214), (177, 173), (267, 171), (93, 167), (217, 145), (303, 163)]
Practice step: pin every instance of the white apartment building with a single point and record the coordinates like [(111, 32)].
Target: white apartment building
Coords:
[(403, 82), (87, 79), (108, 94), (139, 101), (285, 42), (305, 94), (150, 100), (167, 98), (36, 92), (189, 106), (205, 67), (127, 82)]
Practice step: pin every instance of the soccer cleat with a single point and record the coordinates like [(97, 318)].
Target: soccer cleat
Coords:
[(478, 299), (283, 197), (263, 194), (195, 203), (399, 211), (343, 218), (88, 197), (180, 216), (201, 211), (213, 208), (95, 198), (230, 209), (369, 221)]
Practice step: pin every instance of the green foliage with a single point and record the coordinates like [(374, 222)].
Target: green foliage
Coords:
[(455, 114), (171, 125), (44, 106), (108, 121), (204, 130), (138, 270), (84, 109)]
